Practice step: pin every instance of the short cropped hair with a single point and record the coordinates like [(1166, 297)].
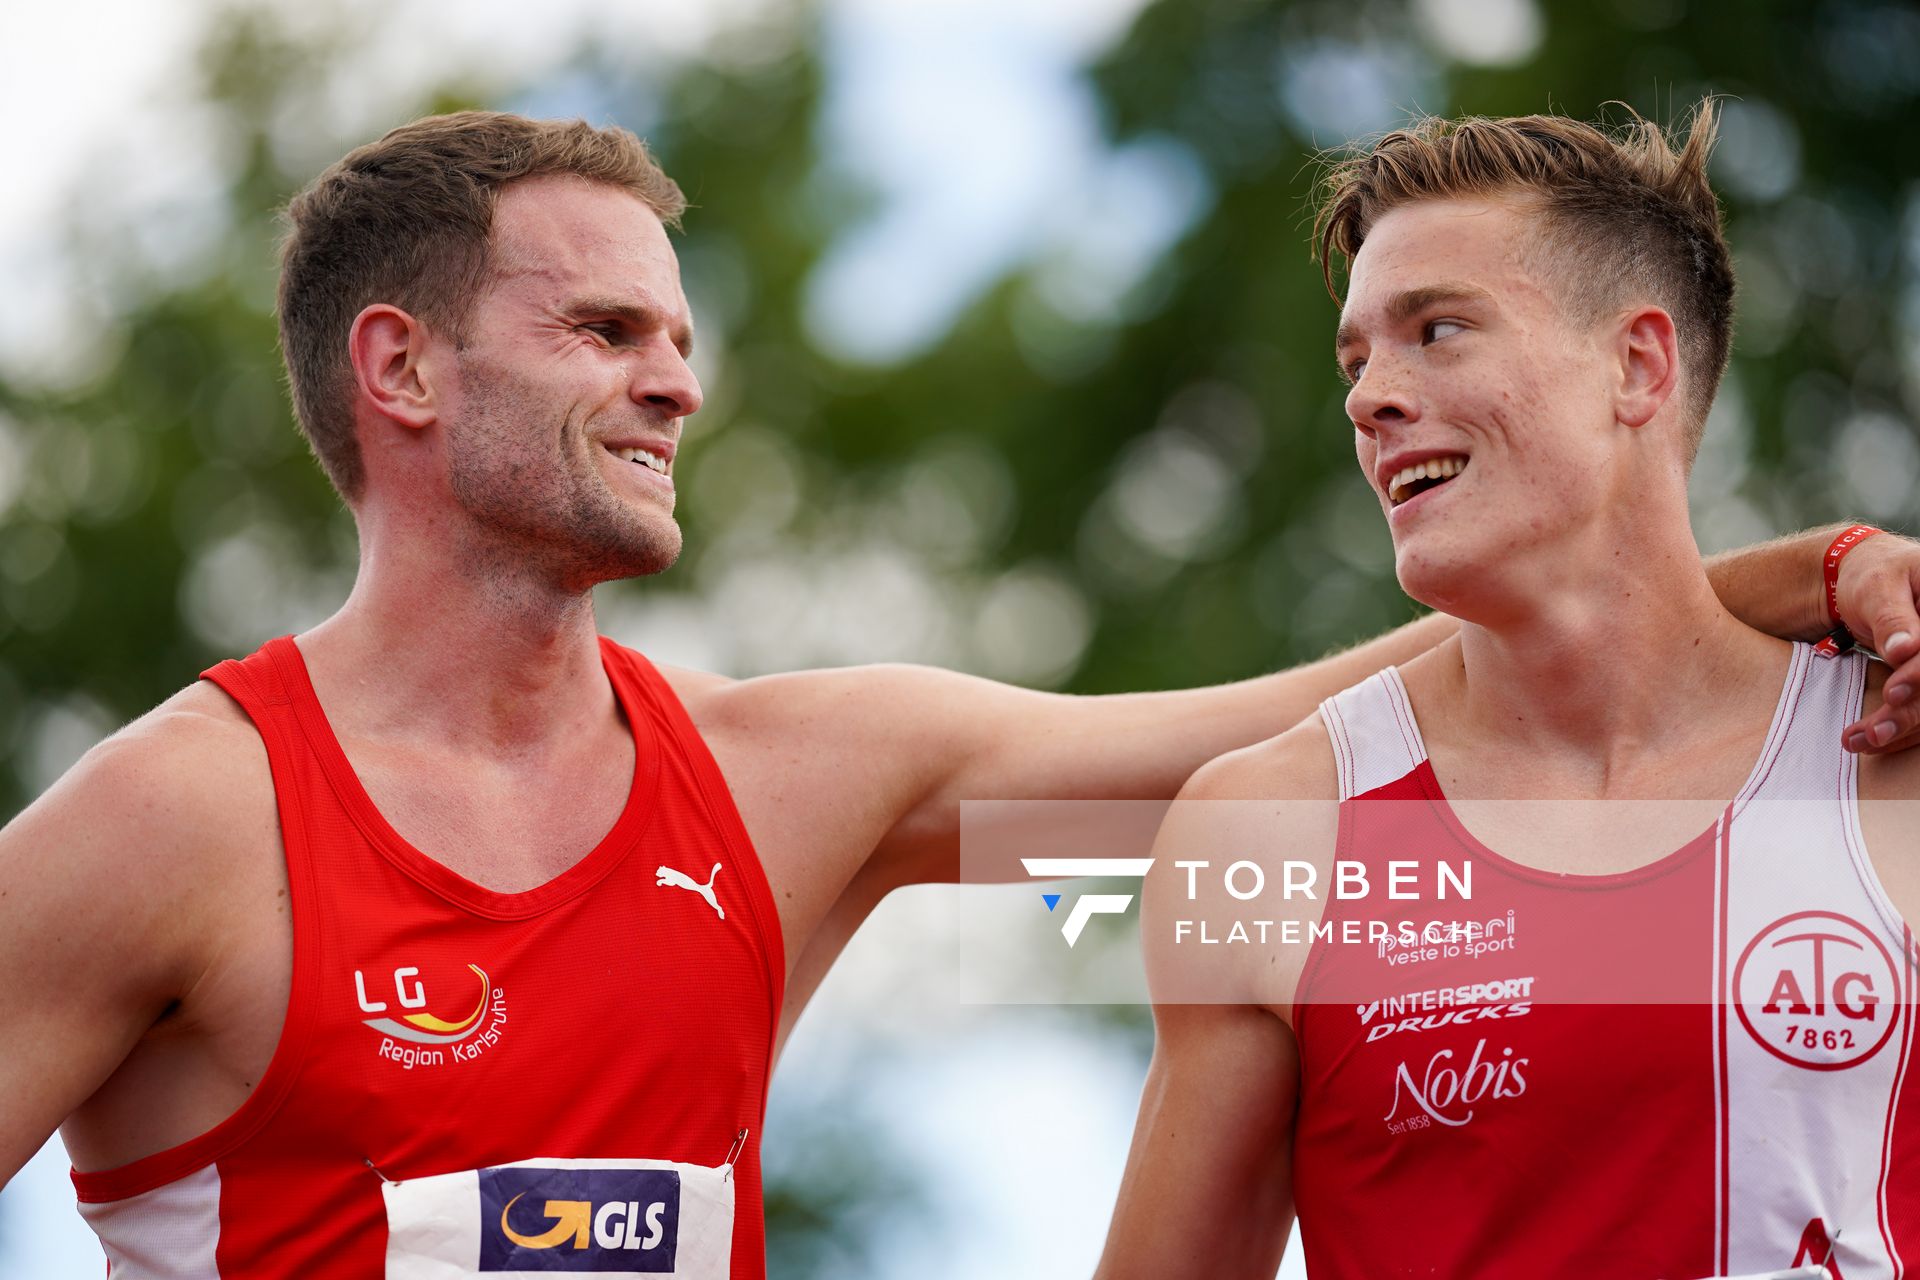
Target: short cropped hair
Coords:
[(408, 220), (1626, 215)]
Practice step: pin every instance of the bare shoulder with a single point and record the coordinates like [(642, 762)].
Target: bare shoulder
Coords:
[(1437, 674), (1295, 765), (1245, 826), (183, 789), (201, 723), (124, 878), (196, 759), (1276, 795)]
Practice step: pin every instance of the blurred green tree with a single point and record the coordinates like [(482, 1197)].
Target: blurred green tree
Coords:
[(1158, 470)]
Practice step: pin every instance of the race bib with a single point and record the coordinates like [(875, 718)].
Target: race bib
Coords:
[(610, 1218)]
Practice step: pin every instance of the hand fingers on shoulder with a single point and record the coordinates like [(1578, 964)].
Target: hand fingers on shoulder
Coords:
[(1895, 724)]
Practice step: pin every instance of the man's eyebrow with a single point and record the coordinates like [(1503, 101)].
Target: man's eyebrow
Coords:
[(640, 315), (1404, 306)]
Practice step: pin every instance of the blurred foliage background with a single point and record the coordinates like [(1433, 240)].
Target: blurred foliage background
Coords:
[(1119, 463)]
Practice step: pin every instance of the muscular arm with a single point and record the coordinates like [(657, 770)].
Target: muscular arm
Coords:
[(1208, 1188), (850, 781), (994, 742), (1776, 586), (883, 757), (861, 772), (100, 927), (1140, 746)]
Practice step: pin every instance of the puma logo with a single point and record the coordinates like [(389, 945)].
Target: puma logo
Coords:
[(681, 880)]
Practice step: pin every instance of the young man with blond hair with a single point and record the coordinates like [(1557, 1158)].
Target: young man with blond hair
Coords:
[(1666, 1039), (450, 937)]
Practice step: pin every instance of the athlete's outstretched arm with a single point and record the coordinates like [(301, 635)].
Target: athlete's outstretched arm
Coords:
[(994, 742), (867, 768)]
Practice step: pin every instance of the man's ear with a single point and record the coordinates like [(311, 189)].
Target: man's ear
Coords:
[(1649, 365), (388, 348)]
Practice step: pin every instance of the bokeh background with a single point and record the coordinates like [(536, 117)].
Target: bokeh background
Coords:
[(1016, 361)]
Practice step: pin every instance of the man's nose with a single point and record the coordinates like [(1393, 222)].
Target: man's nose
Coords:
[(666, 384), (1381, 398)]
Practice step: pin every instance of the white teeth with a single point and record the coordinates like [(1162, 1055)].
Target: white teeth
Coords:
[(651, 461), (1432, 469)]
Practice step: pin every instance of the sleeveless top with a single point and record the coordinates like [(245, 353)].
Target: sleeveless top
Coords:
[(1693, 1068), (567, 1079)]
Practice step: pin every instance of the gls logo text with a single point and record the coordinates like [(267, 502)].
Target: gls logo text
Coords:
[(625, 1220), (1086, 905)]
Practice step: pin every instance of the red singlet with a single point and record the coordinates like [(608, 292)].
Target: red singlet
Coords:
[(1695, 1068), (471, 1082)]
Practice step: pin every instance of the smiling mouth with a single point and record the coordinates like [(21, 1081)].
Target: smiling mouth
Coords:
[(640, 457), (1415, 480)]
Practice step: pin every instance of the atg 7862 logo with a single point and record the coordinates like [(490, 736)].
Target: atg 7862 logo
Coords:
[(625, 1220), (1818, 989)]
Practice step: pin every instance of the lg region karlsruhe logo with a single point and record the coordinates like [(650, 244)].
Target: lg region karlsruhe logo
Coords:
[(412, 1035), (421, 1027), (1087, 905)]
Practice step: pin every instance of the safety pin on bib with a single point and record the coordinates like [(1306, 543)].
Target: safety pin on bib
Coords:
[(739, 1144)]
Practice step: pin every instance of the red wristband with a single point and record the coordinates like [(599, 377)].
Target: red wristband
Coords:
[(1836, 552)]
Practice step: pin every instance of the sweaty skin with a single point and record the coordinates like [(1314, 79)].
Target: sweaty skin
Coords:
[(145, 948)]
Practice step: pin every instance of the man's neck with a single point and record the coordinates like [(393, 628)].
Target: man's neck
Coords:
[(1607, 657), (468, 654)]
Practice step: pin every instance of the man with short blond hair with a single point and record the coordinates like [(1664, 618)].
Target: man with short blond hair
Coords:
[(1664, 1039)]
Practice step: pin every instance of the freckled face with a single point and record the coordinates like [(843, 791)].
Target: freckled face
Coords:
[(1480, 410), (577, 349)]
